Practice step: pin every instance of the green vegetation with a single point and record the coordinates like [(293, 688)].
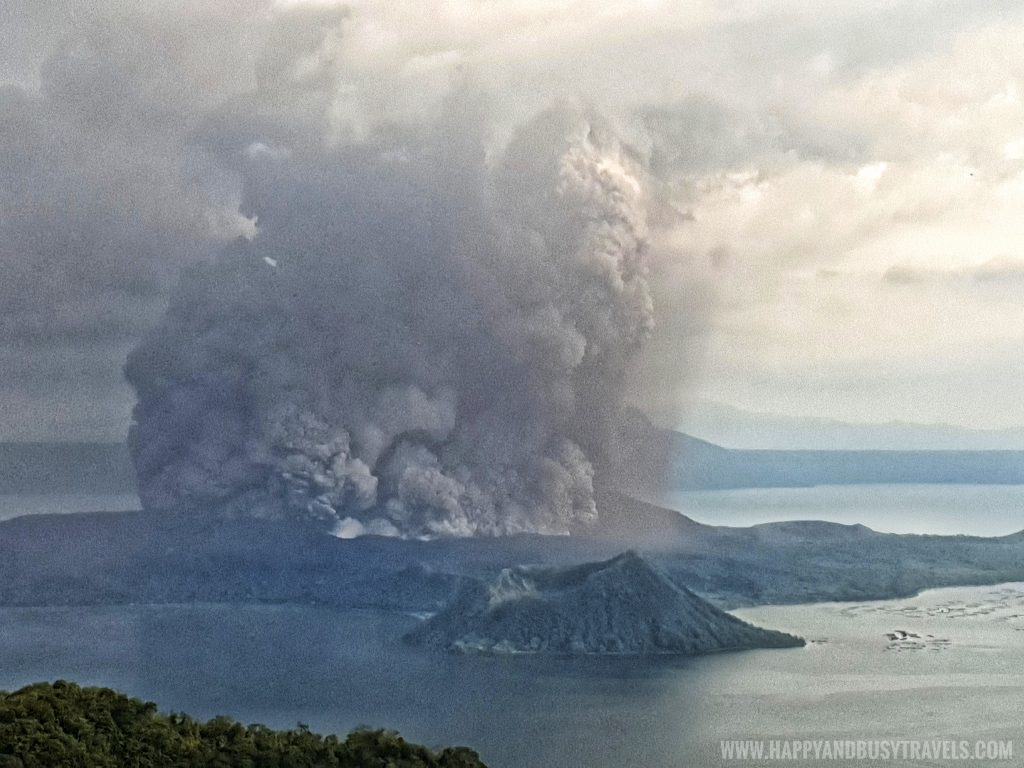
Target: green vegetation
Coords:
[(65, 725)]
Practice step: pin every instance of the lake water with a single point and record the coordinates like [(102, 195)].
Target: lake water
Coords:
[(981, 510), (17, 504), (957, 673)]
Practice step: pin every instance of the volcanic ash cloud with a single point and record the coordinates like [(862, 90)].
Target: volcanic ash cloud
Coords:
[(418, 340)]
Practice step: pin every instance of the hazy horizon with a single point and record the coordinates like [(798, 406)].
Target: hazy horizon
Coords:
[(732, 427)]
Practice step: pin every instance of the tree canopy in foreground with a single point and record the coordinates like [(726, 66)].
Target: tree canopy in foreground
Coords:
[(62, 724)]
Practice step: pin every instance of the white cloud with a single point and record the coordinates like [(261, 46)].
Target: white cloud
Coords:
[(804, 151)]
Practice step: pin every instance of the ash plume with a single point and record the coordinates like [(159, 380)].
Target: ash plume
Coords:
[(419, 340)]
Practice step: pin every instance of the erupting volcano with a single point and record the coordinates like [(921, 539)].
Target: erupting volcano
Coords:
[(419, 340)]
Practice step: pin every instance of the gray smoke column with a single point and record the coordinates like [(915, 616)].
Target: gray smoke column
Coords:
[(420, 340)]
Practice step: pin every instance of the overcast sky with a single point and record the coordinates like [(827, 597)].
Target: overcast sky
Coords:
[(839, 226)]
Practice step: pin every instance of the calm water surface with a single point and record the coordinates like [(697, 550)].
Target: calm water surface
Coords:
[(979, 510), (962, 676)]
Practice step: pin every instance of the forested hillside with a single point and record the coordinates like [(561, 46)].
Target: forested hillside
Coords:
[(63, 724)]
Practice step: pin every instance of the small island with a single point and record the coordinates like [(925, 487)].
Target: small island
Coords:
[(624, 605)]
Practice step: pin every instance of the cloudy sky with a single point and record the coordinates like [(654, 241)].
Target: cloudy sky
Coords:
[(839, 184)]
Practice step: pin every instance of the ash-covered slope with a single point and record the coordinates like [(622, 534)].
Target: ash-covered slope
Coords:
[(134, 557), (619, 606)]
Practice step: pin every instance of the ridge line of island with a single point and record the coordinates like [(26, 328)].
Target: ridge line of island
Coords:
[(669, 593)]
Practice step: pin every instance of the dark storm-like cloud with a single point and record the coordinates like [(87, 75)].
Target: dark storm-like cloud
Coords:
[(129, 133), (103, 196), (417, 339)]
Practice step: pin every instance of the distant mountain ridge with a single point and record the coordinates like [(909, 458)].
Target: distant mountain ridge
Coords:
[(646, 459), (650, 460), (733, 427)]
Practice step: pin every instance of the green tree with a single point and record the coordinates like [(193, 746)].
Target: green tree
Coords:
[(63, 724)]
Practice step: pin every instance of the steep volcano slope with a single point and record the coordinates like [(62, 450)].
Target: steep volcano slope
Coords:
[(619, 606)]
